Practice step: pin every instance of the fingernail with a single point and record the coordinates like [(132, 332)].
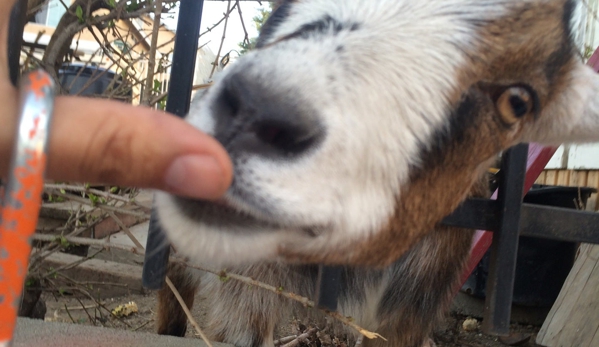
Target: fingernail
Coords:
[(195, 176)]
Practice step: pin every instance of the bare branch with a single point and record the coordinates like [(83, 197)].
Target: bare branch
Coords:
[(84, 189), (187, 312), (216, 63), (102, 206), (86, 242), (145, 99), (303, 300), (246, 38)]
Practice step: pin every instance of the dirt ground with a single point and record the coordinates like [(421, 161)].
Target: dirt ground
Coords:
[(84, 311)]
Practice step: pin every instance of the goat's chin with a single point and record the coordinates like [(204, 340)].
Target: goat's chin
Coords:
[(218, 235)]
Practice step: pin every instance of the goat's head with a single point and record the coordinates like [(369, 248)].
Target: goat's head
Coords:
[(357, 125)]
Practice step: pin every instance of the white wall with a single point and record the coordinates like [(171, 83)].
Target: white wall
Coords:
[(576, 157), (204, 60)]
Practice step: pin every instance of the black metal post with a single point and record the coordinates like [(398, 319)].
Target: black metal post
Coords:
[(156, 256), (18, 18), (502, 270), (179, 99), (328, 285), (184, 57)]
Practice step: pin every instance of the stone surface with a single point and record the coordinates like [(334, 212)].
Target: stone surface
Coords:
[(35, 333), (139, 231), (470, 324), (109, 226)]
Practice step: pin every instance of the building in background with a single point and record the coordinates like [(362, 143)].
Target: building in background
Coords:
[(50, 14), (128, 54)]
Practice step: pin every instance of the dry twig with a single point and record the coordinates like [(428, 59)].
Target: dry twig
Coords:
[(246, 38), (125, 230), (301, 299), (102, 206), (285, 340), (187, 312), (86, 242), (84, 189), (301, 338), (145, 99), (222, 41)]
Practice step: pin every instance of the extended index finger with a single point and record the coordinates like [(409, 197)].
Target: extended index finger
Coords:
[(110, 142)]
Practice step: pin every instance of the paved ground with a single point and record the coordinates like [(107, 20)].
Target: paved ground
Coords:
[(36, 333)]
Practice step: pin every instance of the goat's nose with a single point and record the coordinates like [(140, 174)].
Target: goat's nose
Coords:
[(257, 119)]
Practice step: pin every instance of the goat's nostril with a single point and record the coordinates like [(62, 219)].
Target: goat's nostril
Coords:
[(286, 138), (271, 134), (230, 99), (252, 118)]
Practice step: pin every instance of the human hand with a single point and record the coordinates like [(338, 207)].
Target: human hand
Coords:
[(101, 141)]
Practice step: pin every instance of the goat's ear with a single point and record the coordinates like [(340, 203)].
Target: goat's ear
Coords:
[(573, 114)]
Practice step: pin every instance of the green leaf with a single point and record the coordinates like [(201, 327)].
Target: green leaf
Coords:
[(93, 198), (79, 13), (157, 85), (162, 104), (64, 243), (133, 6), (223, 276)]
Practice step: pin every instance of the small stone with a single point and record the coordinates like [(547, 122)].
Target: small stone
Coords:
[(125, 310), (470, 324)]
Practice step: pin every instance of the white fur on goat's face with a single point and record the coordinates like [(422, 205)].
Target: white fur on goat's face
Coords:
[(397, 99)]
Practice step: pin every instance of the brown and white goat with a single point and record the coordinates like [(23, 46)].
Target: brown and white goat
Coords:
[(354, 128)]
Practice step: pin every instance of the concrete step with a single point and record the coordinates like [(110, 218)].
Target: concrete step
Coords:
[(110, 279), (113, 272), (139, 231), (36, 333)]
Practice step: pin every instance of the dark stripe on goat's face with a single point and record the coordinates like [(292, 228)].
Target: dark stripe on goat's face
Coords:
[(272, 23), (325, 25), (563, 54), (460, 121)]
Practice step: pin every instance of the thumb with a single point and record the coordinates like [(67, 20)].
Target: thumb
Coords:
[(109, 142)]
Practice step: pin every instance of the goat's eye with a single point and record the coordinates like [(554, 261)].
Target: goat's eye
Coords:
[(514, 103)]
